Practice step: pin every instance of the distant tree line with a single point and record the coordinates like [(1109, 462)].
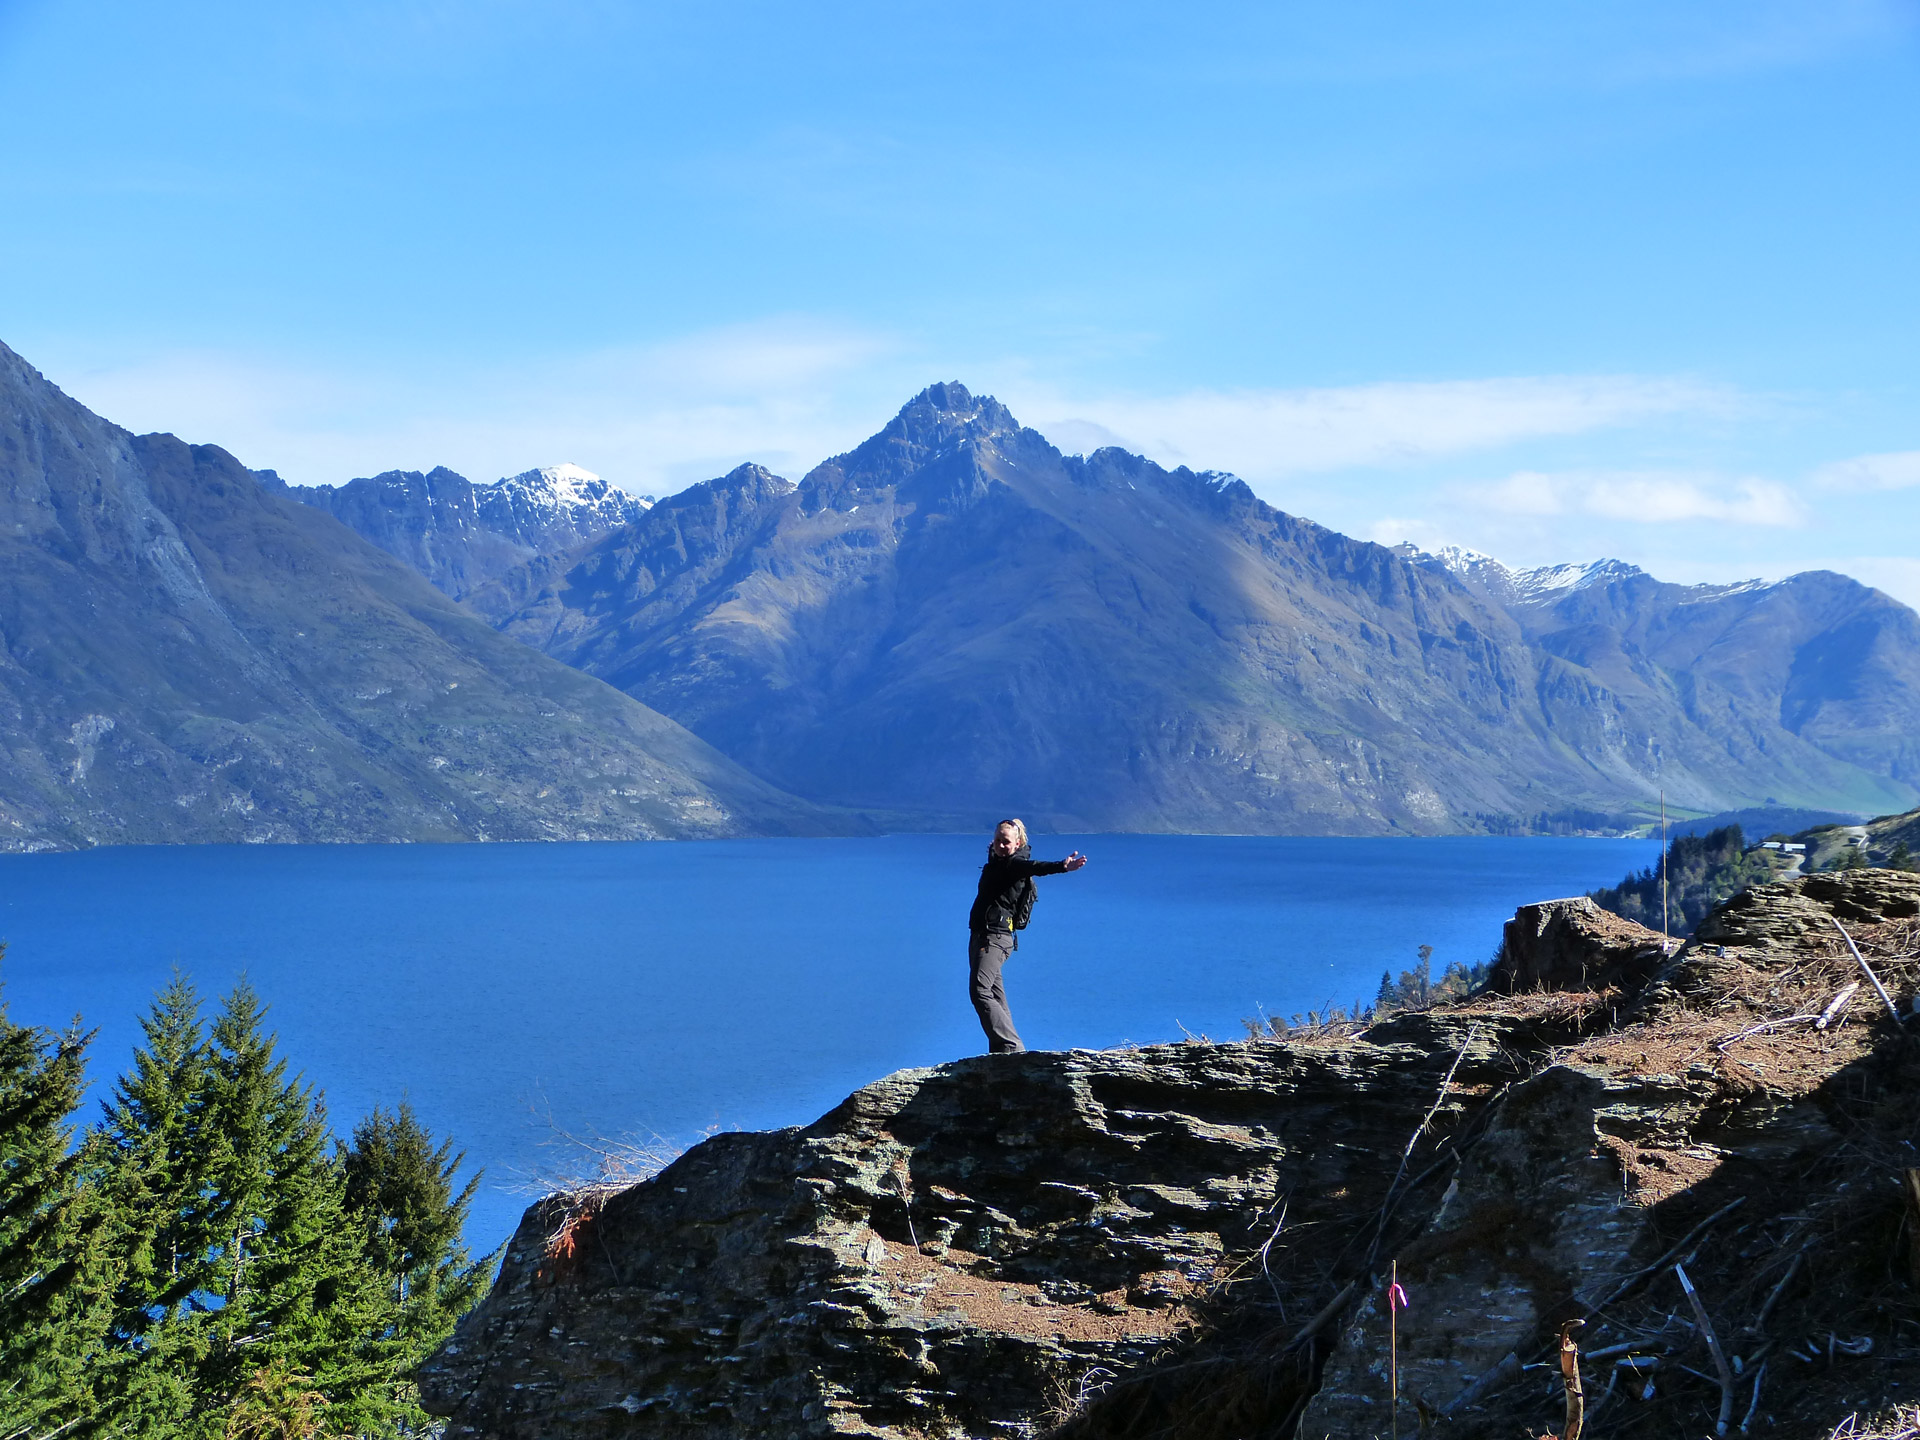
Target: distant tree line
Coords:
[(1416, 989), (1572, 821), (207, 1261), (1702, 872)]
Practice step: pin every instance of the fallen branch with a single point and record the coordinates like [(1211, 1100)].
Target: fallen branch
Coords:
[(1639, 1275), (1440, 1099), (1867, 970), (1793, 1268), (1713, 1344), (1327, 1312), (1393, 1189), (1758, 1376), (1505, 1373), (1836, 1005), (1625, 1347), (1721, 1045)]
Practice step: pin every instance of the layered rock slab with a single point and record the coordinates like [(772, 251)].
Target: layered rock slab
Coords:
[(1192, 1242), (955, 1251)]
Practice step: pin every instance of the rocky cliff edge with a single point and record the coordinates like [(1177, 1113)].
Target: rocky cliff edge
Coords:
[(1193, 1242)]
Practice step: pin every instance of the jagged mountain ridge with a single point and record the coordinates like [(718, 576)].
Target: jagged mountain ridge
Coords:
[(188, 655), (1854, 693), (461, 535), (956, 620)]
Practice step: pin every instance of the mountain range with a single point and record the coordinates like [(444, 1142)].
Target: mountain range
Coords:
[(951, 622), (187, 654), (956, 620), (461, 535)]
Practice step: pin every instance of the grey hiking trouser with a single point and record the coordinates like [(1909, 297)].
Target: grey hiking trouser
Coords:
[(987, 952)]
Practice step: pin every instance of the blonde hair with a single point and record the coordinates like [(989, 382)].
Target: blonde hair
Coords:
[(1018, 828)]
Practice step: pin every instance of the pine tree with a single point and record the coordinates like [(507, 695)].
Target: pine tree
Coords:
[(302, 1301), (234, 1290), (240, 1274), (152, 1147), (51, 1302), (401, 1188)]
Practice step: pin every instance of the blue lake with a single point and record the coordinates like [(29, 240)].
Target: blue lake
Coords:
[(522, 994)]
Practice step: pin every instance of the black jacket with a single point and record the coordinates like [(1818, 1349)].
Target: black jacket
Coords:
[(1001, 880)]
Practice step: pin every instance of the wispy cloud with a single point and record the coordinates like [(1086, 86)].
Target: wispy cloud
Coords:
[(1268, 434), (1643, 497), (653, 418), (1895, 471)]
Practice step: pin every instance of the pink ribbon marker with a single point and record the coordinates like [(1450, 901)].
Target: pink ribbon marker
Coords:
[(1397, 1298)]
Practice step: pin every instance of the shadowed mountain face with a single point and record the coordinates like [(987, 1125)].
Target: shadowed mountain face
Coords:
[(461, 535), (187, 654), (958, 621)]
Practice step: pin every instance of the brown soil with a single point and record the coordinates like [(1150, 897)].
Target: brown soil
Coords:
[(962, 1284)]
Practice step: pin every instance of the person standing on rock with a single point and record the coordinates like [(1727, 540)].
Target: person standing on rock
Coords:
[(999, 913)]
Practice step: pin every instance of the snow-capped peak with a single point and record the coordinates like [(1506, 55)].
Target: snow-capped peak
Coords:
[(571, 488), (1545, 581), (1519, 587)]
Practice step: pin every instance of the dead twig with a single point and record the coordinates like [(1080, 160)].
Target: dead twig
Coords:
[(1505, 1373), (1265, 1251), (1639, 1275), (1867, 970), (1763, 1027), (1793, 1268), (1327, 1312), (1713, 1344), (1393, 1190), (1836, 1005), (1758, 1376)]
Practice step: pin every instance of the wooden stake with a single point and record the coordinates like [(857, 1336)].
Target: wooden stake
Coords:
[(1570, 1378)]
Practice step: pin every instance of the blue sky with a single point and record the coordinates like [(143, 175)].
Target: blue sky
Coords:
[(1633, 279)]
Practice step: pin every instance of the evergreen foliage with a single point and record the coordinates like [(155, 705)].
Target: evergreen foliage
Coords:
[(400, 1188), (49, 1301), (1416, 989), (209, 1263), (1702, 871)]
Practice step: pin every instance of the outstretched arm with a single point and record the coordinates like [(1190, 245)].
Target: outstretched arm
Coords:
[(1075, 861)]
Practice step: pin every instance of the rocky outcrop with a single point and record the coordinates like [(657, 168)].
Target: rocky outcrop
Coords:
[(1575, 945), (957, 1251), (1192, 1242)]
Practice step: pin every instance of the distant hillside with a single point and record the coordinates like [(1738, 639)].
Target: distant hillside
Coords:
[(461, 535), (1704, 870), (188, 655), (1817, 658), (957, 620), (1760, 821)]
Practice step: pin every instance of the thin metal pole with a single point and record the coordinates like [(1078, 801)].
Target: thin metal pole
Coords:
[(1663, 870)]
